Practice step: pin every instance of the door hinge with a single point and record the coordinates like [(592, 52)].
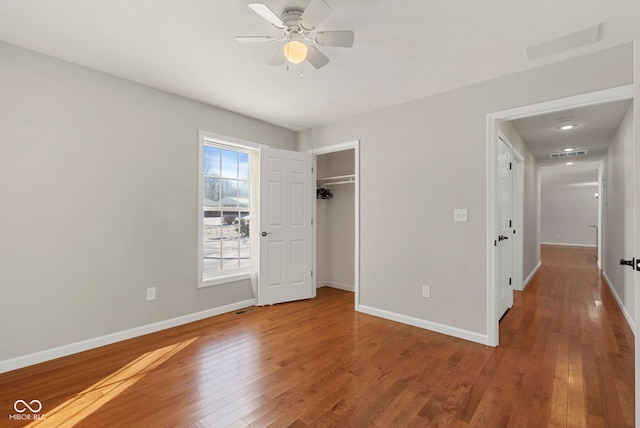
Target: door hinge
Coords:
[(311, 222), (509, 281), (509, 223), (510, 166), (495, 243), (311, 273)]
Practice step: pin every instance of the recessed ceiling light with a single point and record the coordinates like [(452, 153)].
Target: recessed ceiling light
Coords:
[(569, 163), (568, 149), (568, 126)]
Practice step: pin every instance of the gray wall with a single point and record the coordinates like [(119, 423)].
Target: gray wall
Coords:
[(98, 183), (568, 204), (618, 213), (531, 201), (428, 157)]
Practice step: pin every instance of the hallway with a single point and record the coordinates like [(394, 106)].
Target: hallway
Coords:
[(576, 347)]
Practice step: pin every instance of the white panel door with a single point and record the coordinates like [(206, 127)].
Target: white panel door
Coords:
[(286, 190), (505, 239)]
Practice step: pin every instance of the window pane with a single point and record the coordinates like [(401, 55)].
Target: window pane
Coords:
[(243, 194), (212, 242), (243, 166), (211, 166), (245, 253), (245, 223), (211, 190), (229, 164), (229, 193), (230, 225), (230, 254), (211, 259)]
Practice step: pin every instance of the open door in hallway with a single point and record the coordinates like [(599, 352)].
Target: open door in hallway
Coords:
[(505, 239)]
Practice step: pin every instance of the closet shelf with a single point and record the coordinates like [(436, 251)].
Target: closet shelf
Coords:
[(338, 179)]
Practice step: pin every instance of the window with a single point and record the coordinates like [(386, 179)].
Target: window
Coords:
[(226, 212)]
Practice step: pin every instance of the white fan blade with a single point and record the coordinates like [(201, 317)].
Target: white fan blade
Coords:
[(316, 58), (264, 11), (314, 14), (278, 58), (255, 39), (341, 39)]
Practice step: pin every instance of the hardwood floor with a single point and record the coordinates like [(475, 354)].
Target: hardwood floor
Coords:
[(565, 359)]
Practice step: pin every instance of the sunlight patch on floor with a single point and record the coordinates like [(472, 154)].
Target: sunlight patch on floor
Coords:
[(83, 404)]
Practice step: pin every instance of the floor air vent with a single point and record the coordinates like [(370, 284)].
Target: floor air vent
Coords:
[(568, 154)]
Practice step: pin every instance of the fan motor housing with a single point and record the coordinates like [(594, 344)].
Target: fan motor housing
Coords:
[(291, 17)]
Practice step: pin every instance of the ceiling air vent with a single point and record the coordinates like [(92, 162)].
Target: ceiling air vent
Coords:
[(571, 154)]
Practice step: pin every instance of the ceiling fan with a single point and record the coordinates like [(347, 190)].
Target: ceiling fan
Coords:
[(299, 31)]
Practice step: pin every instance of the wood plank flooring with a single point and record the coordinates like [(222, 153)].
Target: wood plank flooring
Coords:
[(565, 359)]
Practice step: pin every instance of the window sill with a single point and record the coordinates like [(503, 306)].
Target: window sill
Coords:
[(225, 279)]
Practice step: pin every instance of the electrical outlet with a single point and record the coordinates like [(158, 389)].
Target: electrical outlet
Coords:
[(426, 291), (151, 293)]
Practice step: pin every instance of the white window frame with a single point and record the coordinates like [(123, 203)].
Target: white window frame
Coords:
[(206, 138)]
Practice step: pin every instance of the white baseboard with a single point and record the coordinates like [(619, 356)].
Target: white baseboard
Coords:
[(73, 348), (427, 325), (564, 244), (339, 286), (530, 277), (626, 314)]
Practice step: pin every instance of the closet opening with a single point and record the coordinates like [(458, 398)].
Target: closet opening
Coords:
[(336, 220)]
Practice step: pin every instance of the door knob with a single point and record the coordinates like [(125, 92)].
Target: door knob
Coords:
[(631, 262), (266, 233), (502, 238)]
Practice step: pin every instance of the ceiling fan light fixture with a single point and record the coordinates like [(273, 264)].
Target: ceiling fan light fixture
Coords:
[(295, 52)]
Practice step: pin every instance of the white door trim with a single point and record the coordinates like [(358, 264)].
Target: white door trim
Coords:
[(355, 145), (583, 100), (518, 220)]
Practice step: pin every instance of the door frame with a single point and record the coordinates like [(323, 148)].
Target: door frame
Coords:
[(355, 145), (588, 99), (518, 220)]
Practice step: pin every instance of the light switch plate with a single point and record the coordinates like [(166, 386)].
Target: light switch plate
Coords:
[(460, 214)]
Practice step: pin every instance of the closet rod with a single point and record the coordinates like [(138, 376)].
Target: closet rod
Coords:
[(340, 182), (338, 179)]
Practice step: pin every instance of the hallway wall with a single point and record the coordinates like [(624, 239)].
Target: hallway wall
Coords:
[(618, 213), (568, 204)]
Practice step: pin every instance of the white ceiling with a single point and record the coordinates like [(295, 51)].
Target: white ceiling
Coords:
[(595, 127), (403, 50)]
